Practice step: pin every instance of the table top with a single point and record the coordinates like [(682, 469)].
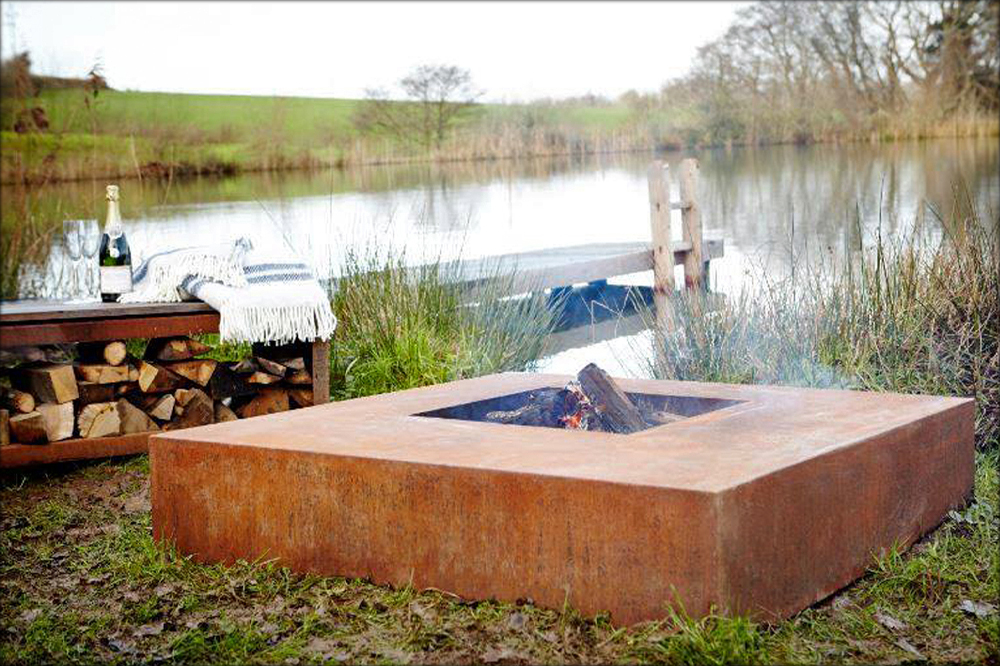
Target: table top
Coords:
[(23, 311)]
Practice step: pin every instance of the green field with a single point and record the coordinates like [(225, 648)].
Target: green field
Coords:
[(126, 133)]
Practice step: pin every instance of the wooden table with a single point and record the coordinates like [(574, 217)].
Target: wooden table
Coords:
[(31, 323)]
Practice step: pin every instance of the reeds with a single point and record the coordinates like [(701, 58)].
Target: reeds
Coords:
[(401, 326), (915, 314)]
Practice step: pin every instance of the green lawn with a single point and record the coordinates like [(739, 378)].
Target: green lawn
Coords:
[(82, 581), (119, 131)]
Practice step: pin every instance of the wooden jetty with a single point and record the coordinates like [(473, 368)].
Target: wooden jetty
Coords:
[(565, 266)]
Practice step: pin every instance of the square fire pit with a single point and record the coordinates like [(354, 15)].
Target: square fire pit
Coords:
[(763, 500)]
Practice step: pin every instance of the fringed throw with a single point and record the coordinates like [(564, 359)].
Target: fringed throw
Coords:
[(261, 296)]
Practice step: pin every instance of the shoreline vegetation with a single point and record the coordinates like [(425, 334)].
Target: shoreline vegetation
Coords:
[(782, 73), (150, 135)]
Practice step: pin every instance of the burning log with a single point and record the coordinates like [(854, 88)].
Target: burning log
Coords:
[(616, 411), (593, 401), (550, 408)]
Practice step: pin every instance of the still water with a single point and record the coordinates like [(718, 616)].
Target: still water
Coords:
[(770, 205)]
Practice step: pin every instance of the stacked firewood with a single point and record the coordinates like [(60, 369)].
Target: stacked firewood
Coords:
[(106, 392)]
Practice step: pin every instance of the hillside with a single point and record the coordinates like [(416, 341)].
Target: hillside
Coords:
[(124, 133)]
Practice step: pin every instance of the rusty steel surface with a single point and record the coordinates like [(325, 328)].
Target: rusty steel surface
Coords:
[(763, 507)]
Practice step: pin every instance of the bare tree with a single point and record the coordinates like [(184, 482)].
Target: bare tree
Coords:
[(436, 96)]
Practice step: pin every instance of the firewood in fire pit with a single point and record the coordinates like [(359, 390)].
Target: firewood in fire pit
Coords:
[(543, 409), (617, 413), (591, 402)]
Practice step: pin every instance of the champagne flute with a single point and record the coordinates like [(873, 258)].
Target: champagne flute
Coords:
[(91, 244), (73, 242)]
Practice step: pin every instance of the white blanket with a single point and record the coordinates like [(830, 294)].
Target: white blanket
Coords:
[(261, 296)]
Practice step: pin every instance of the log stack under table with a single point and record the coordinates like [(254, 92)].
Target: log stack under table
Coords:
[(104, 392)]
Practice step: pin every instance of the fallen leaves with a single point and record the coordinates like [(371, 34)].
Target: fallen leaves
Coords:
[(889, 622), (31, 615), (153, 629), (980, 609), (908, 647), (327, 649)]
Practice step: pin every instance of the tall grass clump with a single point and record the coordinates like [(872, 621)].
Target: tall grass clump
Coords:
[(401, 327), (909, 315)]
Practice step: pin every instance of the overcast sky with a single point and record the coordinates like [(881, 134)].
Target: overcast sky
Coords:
[(515, 51)]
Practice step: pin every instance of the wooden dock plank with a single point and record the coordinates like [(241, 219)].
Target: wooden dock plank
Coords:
[(562, 267)]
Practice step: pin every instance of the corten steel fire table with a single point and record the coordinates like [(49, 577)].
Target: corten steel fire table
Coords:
[(763, 501)]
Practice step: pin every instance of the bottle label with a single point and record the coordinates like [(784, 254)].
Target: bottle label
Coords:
[(116, 279)]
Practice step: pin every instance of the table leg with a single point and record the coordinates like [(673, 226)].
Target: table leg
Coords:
[(321, 371)]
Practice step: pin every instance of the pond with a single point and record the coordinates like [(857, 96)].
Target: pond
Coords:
[(770, 205)]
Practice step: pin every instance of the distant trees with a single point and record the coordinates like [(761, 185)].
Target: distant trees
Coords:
[(435, 98), (788, 70)]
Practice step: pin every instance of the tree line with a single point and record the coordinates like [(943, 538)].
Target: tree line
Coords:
[(800, 71)]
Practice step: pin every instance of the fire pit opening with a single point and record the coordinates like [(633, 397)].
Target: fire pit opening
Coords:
[(656, 409)]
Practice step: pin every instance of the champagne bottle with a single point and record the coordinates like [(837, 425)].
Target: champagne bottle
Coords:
[(115, 257)]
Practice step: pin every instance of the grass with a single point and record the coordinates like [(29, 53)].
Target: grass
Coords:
[(82, 580), (149, 134), (402, 327), (152, 135), (915, 314)]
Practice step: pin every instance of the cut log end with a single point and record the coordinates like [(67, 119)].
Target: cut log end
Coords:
[(110, 353), (155, 379), (98, 420), (174, 349), (198, 410), (269, 401), (21, 402)]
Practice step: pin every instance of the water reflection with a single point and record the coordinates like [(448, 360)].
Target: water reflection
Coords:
[(768, 204)]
